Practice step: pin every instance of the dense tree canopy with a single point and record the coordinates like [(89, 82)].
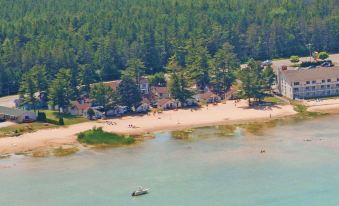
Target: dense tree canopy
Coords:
[(100, 37), (256, 81)]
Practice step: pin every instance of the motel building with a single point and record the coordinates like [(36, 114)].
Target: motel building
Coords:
[(309, 83)]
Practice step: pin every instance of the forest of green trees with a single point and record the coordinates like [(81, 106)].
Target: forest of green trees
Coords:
[(100, 38)]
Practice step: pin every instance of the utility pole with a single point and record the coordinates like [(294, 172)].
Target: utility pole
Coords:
[(309, 46)]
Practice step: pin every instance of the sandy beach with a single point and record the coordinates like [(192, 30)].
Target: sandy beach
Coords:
[(324, 105), (222, 113)]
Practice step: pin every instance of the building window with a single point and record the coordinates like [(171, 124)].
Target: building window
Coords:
[(322, 81), (329, 80), (307, 88), (296, 83), (313, 87), (337, 85), (322, 86), (307, 82), (337, 79), (296, 89), (328, 86), (314, 82)]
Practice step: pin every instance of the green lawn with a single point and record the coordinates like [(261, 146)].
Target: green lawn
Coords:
[(19, 129), (274, 100), (68, 119)]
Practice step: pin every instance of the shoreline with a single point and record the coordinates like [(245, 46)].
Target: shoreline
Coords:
[(146, 125)]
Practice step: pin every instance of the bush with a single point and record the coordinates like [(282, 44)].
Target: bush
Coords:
[(90, 113), (300, 108), (97, 136), (323, 55), (41, 117), (61, 121), (294, 59)]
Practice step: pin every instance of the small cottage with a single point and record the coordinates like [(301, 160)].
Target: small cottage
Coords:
[(160, 92), (208, 97), (144, 106), (79, 109), (165, 104)]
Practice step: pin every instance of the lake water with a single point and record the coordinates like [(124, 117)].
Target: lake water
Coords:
[(211, 168)]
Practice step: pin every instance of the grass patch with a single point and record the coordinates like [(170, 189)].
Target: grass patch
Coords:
[(257, 128), (300, 108), (53, 116), (274, 100), (303, 113), (183, 134), (225, 130), (40, 153), (5, 156), (97, 136), (61, 152), (19, 129)]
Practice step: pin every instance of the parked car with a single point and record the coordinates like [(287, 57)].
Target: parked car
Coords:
[(266, 63)]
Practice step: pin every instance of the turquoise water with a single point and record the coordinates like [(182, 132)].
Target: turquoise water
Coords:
[(209, 169)]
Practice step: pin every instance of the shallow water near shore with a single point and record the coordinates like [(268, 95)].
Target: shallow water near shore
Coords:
[(213, 166)]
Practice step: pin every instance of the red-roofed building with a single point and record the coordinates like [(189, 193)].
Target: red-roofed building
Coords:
[(208, 97), (79, 109), (160, 92)]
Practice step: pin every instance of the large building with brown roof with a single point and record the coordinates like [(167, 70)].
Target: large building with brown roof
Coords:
[(309, 83)]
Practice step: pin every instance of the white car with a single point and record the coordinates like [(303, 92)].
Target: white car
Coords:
[(266, 63)]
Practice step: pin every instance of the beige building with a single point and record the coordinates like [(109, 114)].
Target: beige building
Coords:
[(309, 83)]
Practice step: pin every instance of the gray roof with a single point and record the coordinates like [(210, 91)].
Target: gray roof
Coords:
[(12, 111), (319, 73)]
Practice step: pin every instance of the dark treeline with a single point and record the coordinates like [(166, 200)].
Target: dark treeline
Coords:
[(104, 34)]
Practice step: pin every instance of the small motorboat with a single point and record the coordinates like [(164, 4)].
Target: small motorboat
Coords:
[(140, 191)]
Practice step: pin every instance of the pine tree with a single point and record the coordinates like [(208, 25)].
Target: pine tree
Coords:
[(198, 67), (223, 67), (28, 89), (178, 87), (39, 73), (60, 91), (128, 92), (87, 76), (135, 69), (103, 96), (252, 83)]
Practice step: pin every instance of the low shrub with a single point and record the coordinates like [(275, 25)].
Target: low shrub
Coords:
[(61, 121), (97, 136), (41, 117)]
